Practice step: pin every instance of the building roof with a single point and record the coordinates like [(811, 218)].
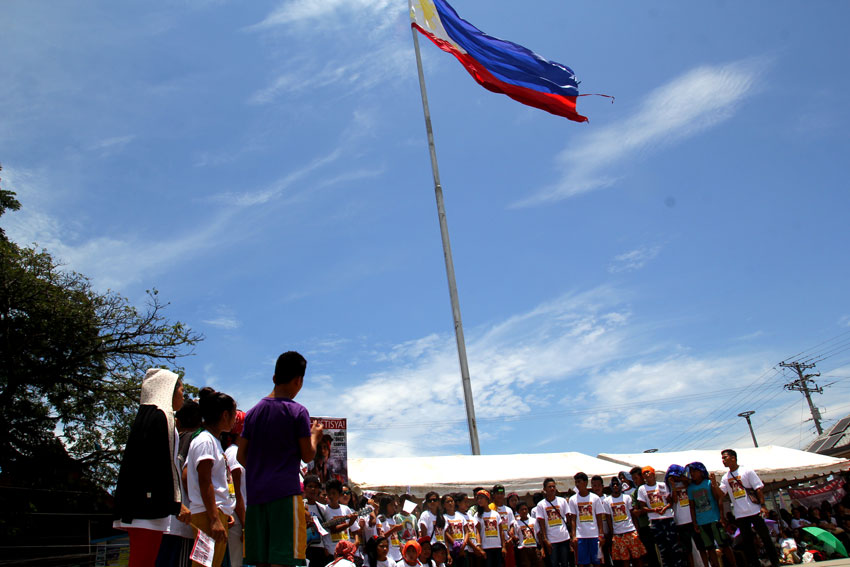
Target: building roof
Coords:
[(834, 440)]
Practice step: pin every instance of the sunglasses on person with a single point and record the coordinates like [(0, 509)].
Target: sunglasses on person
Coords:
[(432, 500), (345, 492)]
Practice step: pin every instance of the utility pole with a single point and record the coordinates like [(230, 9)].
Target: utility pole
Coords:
[(801, 384), (746, 415)]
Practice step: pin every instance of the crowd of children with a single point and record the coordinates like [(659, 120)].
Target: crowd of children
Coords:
[(636, 519), (204, 467)]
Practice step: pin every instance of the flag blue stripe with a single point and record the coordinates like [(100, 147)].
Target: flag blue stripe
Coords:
[(506, 60)]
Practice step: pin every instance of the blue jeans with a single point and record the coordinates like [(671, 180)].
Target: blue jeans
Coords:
[(560, 555)]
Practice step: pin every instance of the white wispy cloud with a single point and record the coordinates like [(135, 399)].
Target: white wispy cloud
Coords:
[(750, 336), (689, 104), (633, 259), (350, 72), (281, 186), (510, 362), (224, 318), (109, 146), (580, 360), (331, 12)]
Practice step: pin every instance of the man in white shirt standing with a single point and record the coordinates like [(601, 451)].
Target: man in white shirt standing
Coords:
[(744, 488), (587, 513), (553, 531)]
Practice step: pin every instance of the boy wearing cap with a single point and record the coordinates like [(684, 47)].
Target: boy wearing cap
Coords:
[(491, 530), (508, 519), (586, 531), (625, 543), (704, 497), (553, 526), (654, 495), (677, 483)]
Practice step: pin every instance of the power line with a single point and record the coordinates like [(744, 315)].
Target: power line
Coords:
[(687, 436)]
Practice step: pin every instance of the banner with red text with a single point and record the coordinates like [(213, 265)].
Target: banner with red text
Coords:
[(832, 491)]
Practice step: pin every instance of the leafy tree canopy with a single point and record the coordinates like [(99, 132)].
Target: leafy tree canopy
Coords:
[(71, 361)]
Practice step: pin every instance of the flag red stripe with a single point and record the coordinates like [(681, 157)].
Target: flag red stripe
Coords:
[(556, 104)]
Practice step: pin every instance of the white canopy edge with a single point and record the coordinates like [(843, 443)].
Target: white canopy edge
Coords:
[(521, 473), (772, 463)]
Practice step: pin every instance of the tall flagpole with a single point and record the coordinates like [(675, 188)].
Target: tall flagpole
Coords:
[(447, 253)]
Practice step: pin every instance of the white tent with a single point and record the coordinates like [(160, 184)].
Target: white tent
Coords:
[(773, 464), (521, 473)]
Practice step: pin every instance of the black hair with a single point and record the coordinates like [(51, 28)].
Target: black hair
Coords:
[(636, 470), (580, 476), (440, 521), (520, 504), (547, 481), (385, 501), (597, 477), (289, 366), (537, 497), (312, 479), (333, 484), (371, 549), (214, 404), (227, 439), (438, 547), (730, 452), (447, 495), (189, 415)]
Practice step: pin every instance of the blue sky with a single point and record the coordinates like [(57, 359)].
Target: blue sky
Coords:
[(625, 284)]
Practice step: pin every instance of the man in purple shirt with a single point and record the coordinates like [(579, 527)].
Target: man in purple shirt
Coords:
[(276, 437)]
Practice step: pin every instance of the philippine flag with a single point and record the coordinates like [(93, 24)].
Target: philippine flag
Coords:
[(498, 65)]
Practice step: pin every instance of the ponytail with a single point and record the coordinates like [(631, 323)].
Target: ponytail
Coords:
[(213, 405)]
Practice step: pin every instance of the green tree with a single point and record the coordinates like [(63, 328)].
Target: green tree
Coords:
[(71, 362)]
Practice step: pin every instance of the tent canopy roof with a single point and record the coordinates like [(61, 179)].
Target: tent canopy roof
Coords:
[(521, 473), (771, 463)]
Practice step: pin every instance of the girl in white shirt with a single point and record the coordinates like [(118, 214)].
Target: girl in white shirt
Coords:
[(377, 552), (431, 522), (211, 493), (455, 523)]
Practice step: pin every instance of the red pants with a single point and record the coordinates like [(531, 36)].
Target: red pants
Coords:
[(144, 547)]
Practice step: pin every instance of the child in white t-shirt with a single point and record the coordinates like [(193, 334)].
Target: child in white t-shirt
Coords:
[(207, 471), (788, 545)]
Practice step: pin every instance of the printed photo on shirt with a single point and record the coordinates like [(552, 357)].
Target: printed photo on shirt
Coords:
[(491, 527), (585, 511), (656, 501), (618, 511)]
